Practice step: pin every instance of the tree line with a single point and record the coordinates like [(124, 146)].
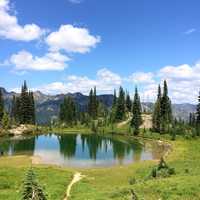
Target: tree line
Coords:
[(22, 108), (22, 111)]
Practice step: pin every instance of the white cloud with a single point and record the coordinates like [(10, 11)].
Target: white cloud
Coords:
[(142, 78), (75, 1), (183, 81), (190, 31), (105, 82), (25, 61), (68, 39), (11, 29), (72, 39)]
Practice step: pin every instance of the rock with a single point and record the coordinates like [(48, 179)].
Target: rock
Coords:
[(22, 129)]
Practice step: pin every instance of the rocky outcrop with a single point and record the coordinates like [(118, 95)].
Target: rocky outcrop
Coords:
[(22, 129)]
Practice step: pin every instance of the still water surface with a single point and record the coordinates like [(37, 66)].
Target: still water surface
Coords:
[(77, 150)]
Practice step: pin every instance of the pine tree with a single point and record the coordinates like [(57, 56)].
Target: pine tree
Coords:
[(90, 103), (68, 111), (128, 102), (166, 110), (121, 106), (192, 119), (198, 112), (18, 109), (157, 112), (114, 99), (13, 108), (5, 120), (31, 189), (32, 108), (136, 110), (1, 105), (23, 107), (93, 104)]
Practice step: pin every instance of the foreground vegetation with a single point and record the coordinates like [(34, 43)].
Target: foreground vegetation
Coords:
[(178, 179), (112, 182)]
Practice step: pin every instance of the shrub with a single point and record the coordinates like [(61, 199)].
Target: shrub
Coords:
[(154, 172), (162, 164), (31, 188), (132, 181), (162, 170), (133, 195), (171, 171)]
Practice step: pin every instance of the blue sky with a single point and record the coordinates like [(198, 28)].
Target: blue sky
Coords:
[(71, 45)]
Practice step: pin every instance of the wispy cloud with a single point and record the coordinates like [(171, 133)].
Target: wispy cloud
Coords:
[(190, 31), (75, 1)]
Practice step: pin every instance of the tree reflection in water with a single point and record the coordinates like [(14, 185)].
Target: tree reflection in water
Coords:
[(81, 150)]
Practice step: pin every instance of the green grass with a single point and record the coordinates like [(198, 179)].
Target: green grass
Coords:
[(112, 183), (54, 180)]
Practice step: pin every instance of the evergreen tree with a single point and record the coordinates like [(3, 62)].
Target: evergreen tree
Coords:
[(62, 111), (1, 105), (113, 109), (114, 99), (5, 120), (166, 110), (192, 119), (23, 107), (90, 103), (198, 112), (157, 112), (121, 106), (18, 109), (93, 104), (13, 108), (136, 110), (31, 189), (68, 111), (128, 102), (32, 108)]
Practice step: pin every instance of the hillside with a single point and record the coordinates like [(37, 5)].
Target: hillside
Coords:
[(47, 106)]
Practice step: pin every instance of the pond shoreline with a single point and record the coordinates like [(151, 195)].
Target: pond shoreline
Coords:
[(166, 149)]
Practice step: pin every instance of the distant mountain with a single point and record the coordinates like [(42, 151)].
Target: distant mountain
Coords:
[(47, 106)]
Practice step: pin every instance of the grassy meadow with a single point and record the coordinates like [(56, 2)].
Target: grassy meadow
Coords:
[(112, 182)]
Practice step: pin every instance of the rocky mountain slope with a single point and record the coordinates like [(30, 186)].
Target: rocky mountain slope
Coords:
[(47, 106)]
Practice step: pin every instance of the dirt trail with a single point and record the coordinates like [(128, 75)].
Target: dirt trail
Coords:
[(121, 124), (77, 177), (147, 121)]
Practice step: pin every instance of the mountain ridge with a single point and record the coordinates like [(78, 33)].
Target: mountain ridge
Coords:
[(47, 106)]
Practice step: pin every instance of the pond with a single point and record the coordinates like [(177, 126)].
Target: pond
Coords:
[(79, 150)]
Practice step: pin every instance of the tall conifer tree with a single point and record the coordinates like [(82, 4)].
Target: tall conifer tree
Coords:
[(114, 99), (128, 102), (68, 111), (157, 112), (23, 107), (1, 105), (137, 113), (166, 110), (90, 103), (198, 111), (95, 104), (121, 106)]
